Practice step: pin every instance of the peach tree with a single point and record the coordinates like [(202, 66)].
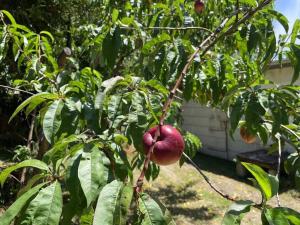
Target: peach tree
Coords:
[(95, 76)]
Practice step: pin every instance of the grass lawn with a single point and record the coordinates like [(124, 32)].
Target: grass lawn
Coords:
[(191, 201)]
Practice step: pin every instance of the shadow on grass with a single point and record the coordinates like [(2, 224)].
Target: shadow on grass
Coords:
[(227, 168), (216, 165), (173, 198)]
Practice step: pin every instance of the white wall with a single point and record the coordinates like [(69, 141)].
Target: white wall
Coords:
[(210, 124), (282, 75)]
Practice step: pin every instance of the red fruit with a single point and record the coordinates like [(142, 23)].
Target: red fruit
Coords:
[(247, 136), (199, 6), (169, 147)]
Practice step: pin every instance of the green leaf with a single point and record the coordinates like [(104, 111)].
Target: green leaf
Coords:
[(17, 206), (46, 33), (291, 215), (254, 38), (92, 174), (290, 164), (125, 201), (236, 212), (27, 163), (52, 120), (34, 98), (46, 207), (115, 15), (113, 106), (272, 217), (156, 85), (9, 16), (247, 2), (296, 50), (236, 114), (153, 213), (30, 183), (87, 217), (281, 19), (33, 104), (77, 199), (109, 210), (268, 184), (295, 31), (280, 216), (192, 145), (111, 46), (151, 45)]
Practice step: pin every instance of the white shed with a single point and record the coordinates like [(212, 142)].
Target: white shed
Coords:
[(211, 125)]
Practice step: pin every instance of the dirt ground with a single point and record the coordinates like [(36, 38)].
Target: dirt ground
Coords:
[(192, 202)]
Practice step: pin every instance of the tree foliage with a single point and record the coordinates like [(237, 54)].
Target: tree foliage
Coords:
[(97, 73)]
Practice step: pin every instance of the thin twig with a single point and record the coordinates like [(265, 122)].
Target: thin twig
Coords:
[(216, 189), (231, 29), (16, 89), (15, 178), (167, 28), (278, 167), (208, 180), (29, 142)]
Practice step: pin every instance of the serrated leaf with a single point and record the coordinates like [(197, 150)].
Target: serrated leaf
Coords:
[(52, 120), (30, 183), (280, 216), (192, 145), (125, 201), (291, 215), (92, 174), (152, 44), (27, 163), (295, 31), (268, 184), (108, 210), (236, 114), (236, 212), (153, 213), (272, 217), (17, 206), (111, 46), (43, 95), (46, 207), (281, 19)]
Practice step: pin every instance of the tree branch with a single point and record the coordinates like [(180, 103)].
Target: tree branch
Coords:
[(208, 180), (16, 89), (29, 142), (167, 28)]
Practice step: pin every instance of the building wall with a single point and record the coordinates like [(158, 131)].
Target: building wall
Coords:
[(211, 125), (282, 75)]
